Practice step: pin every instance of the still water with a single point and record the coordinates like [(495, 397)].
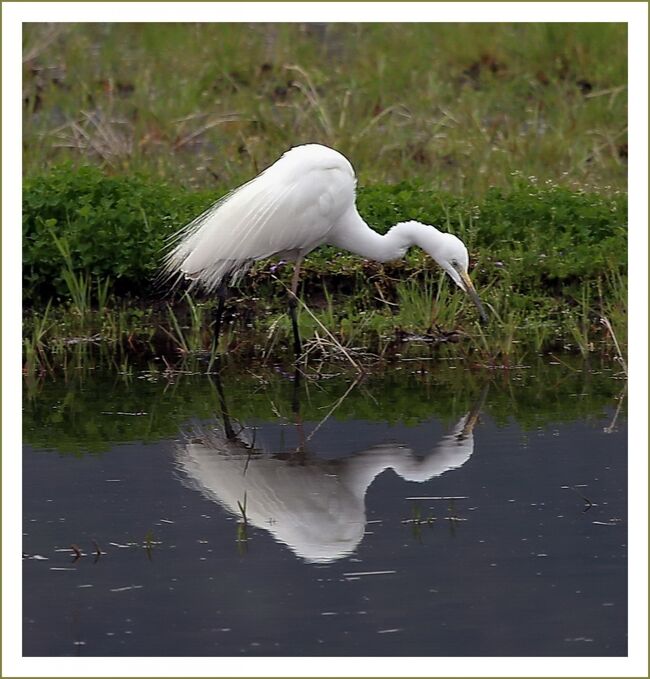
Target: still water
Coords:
[(417, 513)]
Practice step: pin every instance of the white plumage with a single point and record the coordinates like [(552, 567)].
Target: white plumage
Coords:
[(287, 210), (305, 199)]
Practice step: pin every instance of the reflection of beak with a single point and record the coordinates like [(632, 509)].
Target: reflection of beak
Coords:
[(473, 414), (468, 427), (471, 291)]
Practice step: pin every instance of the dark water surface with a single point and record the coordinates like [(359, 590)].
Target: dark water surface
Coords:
[(427, 515)]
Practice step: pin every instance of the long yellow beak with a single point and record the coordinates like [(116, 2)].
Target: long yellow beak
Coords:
[(473, 295)]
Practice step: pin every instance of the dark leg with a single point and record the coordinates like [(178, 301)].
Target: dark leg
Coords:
[(227, 426), (295, 401), (300, 453), (222, 293), (297, 346), (293, 303)]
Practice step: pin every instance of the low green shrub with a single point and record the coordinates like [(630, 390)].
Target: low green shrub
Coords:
[(114, 227), (536, 239), (546, 234)]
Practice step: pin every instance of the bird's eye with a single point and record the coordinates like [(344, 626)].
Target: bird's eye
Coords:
[(454, 263)]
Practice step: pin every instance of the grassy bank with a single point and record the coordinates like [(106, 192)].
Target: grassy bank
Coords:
[(549, 262), (511, 136)]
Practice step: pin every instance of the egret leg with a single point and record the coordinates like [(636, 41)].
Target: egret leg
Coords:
[(295, 401), (293, 303), (300, 453), (222, 293), (227, 426)]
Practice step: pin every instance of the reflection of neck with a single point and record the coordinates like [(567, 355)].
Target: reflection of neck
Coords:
[(454, 449)]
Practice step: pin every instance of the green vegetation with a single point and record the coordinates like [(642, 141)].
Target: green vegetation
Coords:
[(549, 263), (512, 136), (209, 105), (81, 225)]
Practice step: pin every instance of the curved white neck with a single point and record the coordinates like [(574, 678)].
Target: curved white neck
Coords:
[(353, 234)]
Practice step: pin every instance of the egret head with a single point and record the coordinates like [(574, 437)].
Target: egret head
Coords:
[(451, 255)]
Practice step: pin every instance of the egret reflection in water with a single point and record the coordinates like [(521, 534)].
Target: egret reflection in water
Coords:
[(315, 506)]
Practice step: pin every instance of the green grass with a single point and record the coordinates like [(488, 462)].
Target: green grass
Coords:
[(35, 358), (428, 318), (548, 262), (534, 236), (459, 106), (511, 136)]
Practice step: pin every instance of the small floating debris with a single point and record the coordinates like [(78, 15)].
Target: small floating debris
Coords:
[(588, 503), (359, 574), (388, 631), (605, 523), (126, 589), (57, 568), (587, 639), (438, 497), (165, 521)]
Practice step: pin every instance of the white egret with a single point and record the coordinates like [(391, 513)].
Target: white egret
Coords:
[(305, 199)]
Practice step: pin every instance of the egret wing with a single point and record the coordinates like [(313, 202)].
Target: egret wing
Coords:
[(278, 212)]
